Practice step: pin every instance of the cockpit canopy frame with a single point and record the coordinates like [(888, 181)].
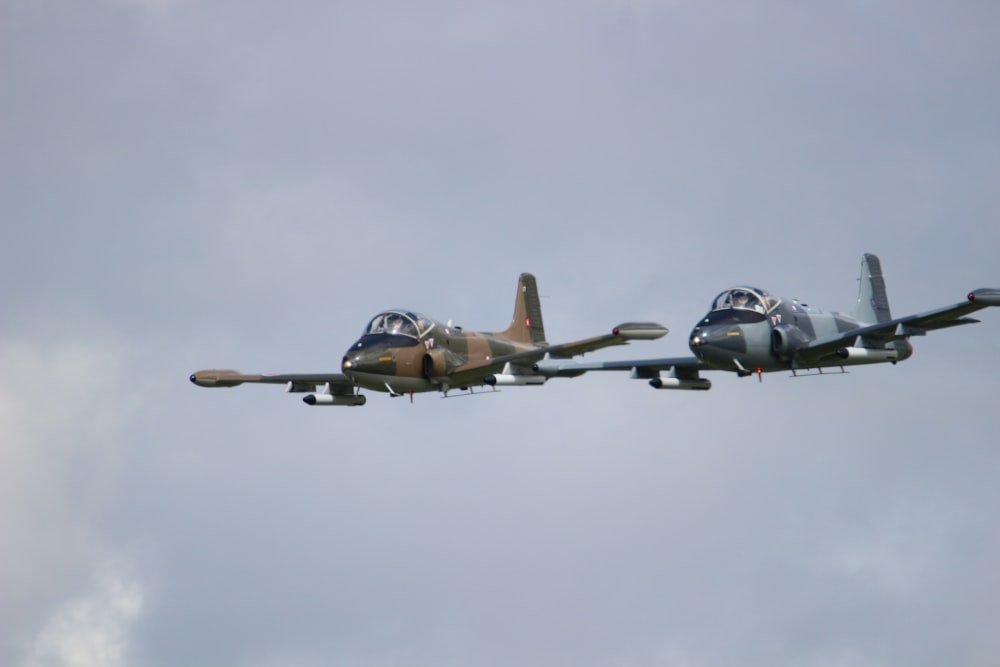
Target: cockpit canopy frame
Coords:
[(399, 323), (744, 297)]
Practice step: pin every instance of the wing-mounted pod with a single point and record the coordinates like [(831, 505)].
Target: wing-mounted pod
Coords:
[(867, 355), (688, 380), (513, 380), (334, 399), (696, 384), (328, 396), (515, 376)]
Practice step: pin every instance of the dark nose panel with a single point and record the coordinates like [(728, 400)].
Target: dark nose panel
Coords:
[(724, 339), (377, 359)]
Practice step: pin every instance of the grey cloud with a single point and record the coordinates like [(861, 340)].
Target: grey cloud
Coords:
[(199, 184)]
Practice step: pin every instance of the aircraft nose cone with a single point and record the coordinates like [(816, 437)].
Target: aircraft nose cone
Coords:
[(368, 360), (700, 337), (718, 343), (354, 362)]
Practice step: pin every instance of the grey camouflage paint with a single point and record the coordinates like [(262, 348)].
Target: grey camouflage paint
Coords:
[(790, 336)]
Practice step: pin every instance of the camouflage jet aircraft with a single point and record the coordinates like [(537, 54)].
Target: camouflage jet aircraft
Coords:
[(401, 351), (750, 331)]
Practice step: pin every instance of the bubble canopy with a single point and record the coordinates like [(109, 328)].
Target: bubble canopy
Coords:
[(399, 323), (746, 298)]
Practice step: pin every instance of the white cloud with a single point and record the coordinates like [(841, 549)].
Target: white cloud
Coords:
[(92, 630), (61, 415)]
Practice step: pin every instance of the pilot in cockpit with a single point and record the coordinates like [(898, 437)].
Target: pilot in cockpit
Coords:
[(393, 324), (740, 300)]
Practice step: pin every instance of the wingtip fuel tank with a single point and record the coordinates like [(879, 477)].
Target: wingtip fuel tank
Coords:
[(985, 296), (640, 331), (217, 378)]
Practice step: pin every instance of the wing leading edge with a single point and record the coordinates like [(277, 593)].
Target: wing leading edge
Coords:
[(329, 388), (680, 372)]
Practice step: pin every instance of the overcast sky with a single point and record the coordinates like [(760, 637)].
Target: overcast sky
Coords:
[(191, 184)]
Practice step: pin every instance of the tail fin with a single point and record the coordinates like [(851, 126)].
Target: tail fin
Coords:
[(873, 303), (527, 326)]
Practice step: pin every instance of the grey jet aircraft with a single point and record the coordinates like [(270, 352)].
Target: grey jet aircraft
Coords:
[(403, 352), (750, 331)]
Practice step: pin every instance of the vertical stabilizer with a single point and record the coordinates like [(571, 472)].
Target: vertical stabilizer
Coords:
[(873, 303), (527, 326)]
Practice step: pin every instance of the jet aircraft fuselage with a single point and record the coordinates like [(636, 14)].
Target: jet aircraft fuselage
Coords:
[(401, 351), (748, 330)]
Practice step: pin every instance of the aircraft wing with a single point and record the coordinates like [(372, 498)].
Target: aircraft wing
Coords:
[(329, 388), (520, 363), (681, 372), (902, 327), (686, 366), (620, 335)]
